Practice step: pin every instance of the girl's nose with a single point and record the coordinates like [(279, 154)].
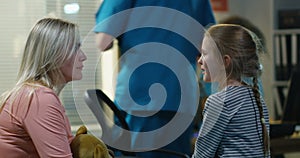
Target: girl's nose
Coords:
[(199, 61)]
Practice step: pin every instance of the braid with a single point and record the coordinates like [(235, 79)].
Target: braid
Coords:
[(263, 123)]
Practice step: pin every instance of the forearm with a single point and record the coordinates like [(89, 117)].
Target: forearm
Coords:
[(104, 41)]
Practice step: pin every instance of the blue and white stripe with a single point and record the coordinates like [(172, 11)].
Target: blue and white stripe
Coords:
[(231, 125)]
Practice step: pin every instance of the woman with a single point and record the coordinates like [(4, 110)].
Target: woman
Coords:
[(235, 119), (33, 122)]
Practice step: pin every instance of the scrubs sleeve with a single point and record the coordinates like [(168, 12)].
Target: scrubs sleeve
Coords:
[(109, 17)]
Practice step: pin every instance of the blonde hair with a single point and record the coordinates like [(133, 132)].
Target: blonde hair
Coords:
[(243, 47), (50, 43)]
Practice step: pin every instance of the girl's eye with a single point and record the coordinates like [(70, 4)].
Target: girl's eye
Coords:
[(199, 56)]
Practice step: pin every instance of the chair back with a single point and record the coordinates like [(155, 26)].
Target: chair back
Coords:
[(96, 100)]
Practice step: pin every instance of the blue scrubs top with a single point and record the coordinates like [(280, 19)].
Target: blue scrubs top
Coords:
[(155, 47)]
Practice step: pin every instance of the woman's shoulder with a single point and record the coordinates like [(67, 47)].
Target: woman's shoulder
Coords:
[(41, 94), (32, 99), (36, 89)]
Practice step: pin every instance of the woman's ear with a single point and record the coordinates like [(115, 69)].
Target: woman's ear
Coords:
[(227, 60)]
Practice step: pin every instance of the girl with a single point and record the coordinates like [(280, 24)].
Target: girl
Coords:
[(235, 119)]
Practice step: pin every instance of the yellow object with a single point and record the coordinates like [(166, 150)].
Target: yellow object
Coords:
[(85, 145)]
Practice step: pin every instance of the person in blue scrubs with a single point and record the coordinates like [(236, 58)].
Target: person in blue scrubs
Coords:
[(159, 43)]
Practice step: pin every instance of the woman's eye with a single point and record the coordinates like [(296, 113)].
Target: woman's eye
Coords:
[(78, 47)]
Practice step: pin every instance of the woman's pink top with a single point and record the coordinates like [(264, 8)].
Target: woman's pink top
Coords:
[(41, 129)]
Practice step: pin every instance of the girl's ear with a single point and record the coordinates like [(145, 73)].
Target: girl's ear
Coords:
[(227, 60)]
